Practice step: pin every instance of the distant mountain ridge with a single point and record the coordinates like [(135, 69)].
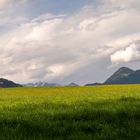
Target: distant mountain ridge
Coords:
[(122, 76), (72, 85), (4, 83), (93, 84), (46, 84), (41, 84)]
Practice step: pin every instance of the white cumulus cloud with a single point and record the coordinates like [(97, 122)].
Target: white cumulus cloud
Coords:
[(126, 55)]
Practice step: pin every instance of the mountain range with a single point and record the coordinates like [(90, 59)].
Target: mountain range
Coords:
[(41, 84), (72, 85), (4, 83), (122, 76), (45, 84)]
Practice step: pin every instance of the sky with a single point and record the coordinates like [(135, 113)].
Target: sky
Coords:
[(64, 41)]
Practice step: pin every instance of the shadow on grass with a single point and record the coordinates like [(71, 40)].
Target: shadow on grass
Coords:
[(112, 119)]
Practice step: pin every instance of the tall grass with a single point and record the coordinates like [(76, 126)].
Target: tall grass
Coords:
[(70, 113)]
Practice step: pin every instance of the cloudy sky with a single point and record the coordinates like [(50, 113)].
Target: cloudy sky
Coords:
[(65, 41)]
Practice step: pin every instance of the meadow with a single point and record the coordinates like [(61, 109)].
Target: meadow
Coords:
[(70, 113)]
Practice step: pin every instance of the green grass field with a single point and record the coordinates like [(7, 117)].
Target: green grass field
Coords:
[(70, 113)]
